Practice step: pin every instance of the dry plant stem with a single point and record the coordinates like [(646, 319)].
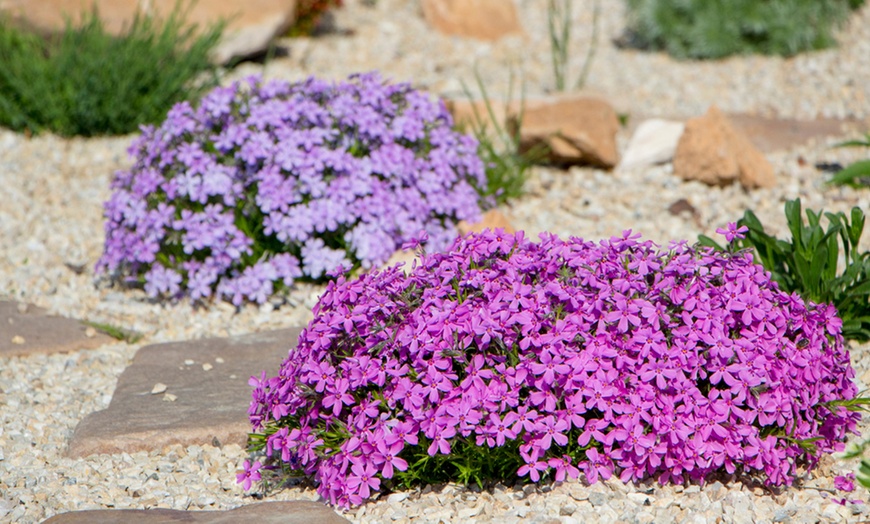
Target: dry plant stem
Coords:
[(559, 24), (593, 45)]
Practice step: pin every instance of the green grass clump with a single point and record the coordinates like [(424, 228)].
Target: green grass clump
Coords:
[(506, 166), (125, 335), (719, 28), (855, 175), (87, 82)]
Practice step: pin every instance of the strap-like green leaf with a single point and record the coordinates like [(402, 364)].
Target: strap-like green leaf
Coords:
[(849, 175)]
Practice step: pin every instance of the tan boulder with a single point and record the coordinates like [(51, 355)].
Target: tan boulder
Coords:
[(492, 219), (712, 151), (252, 24), (574, 129), (481, 19)]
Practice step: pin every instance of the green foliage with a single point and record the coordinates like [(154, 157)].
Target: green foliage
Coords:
[(308, 14), (506, 167), (719, 28), (87, 82), (857, 174), (559, 25), (808, 264)]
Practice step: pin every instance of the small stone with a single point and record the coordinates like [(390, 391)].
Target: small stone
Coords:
[(189, 362), (207, 367), (169, 397), (158, 388), (567, 510), (90, 332), (596, 498), (396, 498), (692, 489), (640, 498), (219, 360), (18, 339)]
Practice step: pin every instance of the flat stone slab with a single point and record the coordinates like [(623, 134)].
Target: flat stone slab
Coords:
[(777, 134), (27, 330), (189, 392), (296, 512)]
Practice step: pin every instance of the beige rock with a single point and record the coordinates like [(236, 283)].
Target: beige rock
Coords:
[(653, 142), (492, 219), (576, 128), (481, 19), (26, 329), (295, 512), (712, 151), (208, 405), (252, 24)]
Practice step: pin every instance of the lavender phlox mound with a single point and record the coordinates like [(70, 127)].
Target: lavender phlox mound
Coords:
[(617, 358), (264, 183)]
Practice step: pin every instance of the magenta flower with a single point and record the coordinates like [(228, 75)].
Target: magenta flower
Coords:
[(363, 479), (731, 231), (845, 482), (249, 474)]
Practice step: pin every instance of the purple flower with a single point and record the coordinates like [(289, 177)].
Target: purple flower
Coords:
[(249, 474), (363, 479), (297, 181), (845, 482), (731, 231)]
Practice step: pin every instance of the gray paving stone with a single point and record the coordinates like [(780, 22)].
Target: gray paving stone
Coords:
[(296, 512), (26, 330), (189, 392)]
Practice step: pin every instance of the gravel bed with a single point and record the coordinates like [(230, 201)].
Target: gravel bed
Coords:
[(51, 236)]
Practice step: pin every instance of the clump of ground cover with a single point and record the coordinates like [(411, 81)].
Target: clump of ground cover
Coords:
[(264, 183), (88, 82), (716, 29), (503, 359)]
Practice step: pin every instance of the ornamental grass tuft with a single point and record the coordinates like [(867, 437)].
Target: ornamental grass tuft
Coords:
[(268, 182), (504, 359), (88, 82)]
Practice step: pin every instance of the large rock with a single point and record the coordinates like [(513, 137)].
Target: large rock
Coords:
[(295, 512), (482, 19), (712, 151), (191, 392), (26, 329), (653, 142), (575, 129), (252, 24)]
